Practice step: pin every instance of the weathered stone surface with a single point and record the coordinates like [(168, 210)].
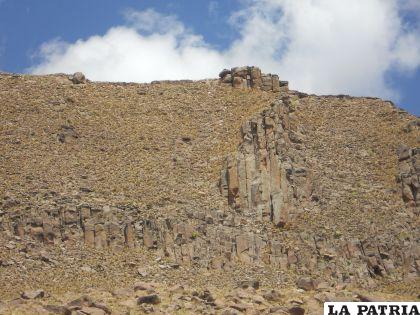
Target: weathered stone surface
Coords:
[(267, 82), (251, 77), (148, 299), (240, 72), (296, 310), (89, 235), (78, 78), (260, 179), (224, 72), (100, 236), (255, 74), (409, 175), (129, 235), (306, 284), (403, 152), (30, 295), (275, 83), (239, 82), (148, 238), (67, 133), (227, 78)]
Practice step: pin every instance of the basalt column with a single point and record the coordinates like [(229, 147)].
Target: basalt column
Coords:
[(260, 178), (409, 175)]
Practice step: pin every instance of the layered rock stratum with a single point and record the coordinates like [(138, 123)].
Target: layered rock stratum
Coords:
[(234, 195)]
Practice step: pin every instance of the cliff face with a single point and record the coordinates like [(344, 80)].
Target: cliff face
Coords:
[(409, 168), (318, 176), (237, 178), (267, 178)]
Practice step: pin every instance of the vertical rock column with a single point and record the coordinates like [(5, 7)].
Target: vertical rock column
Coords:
[(259, 178), (409, 175)]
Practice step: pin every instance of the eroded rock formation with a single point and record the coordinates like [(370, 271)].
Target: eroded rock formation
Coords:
[(251, 77), (94, 225), (409, 175), (219, 240), (267, 178)]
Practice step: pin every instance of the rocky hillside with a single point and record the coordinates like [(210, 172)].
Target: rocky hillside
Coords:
[(252, 197)]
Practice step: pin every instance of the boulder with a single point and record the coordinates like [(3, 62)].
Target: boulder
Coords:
[(66, 133), (148, 299), (224, 72), (227, 78), (403, 152), (78, 78), (306, 284), (30, 295), (272, 296), (296, 310)]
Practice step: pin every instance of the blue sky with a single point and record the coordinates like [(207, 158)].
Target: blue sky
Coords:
[(317, 45)]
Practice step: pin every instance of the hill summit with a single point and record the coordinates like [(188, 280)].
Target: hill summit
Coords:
[(230, 195)]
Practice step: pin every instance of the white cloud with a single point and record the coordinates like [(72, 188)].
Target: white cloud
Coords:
[(320, 46), (150, 21), (125, 53), (407, 52)]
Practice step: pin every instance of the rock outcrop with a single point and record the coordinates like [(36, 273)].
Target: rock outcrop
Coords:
[(95, 226), (251, 77), (409, 175), (267, 178), (78, 78)]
